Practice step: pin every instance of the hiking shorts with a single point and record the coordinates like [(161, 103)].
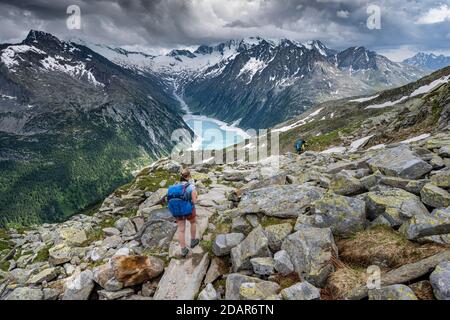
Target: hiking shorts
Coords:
[(191, 217)]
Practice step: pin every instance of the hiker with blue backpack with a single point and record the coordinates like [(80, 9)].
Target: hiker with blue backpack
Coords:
[(300, 146), (181, 199)]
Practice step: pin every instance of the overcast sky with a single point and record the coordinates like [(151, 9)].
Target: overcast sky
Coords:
[(407, 26)]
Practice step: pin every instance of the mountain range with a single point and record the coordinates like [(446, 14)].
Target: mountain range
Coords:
[(259, 82), (428, 61), (77, 118)]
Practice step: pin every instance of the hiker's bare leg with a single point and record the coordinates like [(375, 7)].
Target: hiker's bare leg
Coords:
[(181, 233), (193, 228)]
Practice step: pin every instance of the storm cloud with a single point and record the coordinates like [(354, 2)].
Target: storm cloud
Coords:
[(406, 25)]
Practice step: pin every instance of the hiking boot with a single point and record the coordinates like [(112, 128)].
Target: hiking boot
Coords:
[(184, 252), (194, 243)]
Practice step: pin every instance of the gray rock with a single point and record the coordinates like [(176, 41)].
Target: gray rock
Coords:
[(111, 232), (60, 254), (45, 275), (79, 286), (287, 201), (182, 279), (301, 291), (399, 162), (436, 223), (223, 243), (258, 290), (19, 276), (233, 284), (276, 234), (345, 216), (441, 179), (120, 224), (263, 266), (345, 165), (434, 196), (216, 269), (208, 293), (393, 292), (282, 263), (22, 293), (255, 245), (158, 235), (444, 152), (311, 250), (240, 225), (345, 184), (413, 186), (112, 242), (440, 281), (104, 276), (51, 294), (115, 295), (396, 205), (236, 175)]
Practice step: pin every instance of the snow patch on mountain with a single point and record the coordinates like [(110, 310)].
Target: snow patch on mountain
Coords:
[(299, 123), (419, 91), (10, 54), (77, 70), (252, 67), (364, 99)]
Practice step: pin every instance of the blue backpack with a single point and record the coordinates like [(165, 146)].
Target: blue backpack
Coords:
[(180, 204)]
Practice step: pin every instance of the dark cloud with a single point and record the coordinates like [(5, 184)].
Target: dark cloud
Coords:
[(175, 23)]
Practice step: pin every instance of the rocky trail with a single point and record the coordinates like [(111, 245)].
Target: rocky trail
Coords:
[(310, 227)]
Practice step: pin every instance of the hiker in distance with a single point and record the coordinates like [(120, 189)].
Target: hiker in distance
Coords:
[(181, 202), (300, 146)]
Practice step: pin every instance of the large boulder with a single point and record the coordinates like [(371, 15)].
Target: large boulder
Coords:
[(392, 292), (276, 233), (301, 291), (440, 281), (182, 279), (282, 262), (345, 216), (258, 290), (233, 284), (311, 250), (60, 254), (134, 270), (236, 175), (104, 276), (345, 184), (45, 275), (223, 243), (286, 201), (24, 293), (158, 235), (255, 245), (79, 286), (435, 223), (396, 205), (72, 236), (434, 196), (399, 162), (263, 266), (441, 179), (208, 293)]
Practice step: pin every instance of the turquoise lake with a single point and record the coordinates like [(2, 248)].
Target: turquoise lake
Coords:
[(213, 134)]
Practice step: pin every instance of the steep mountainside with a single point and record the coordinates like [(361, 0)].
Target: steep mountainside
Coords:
[(393, 115), (72, 126), (259, 82), (428, 61)]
